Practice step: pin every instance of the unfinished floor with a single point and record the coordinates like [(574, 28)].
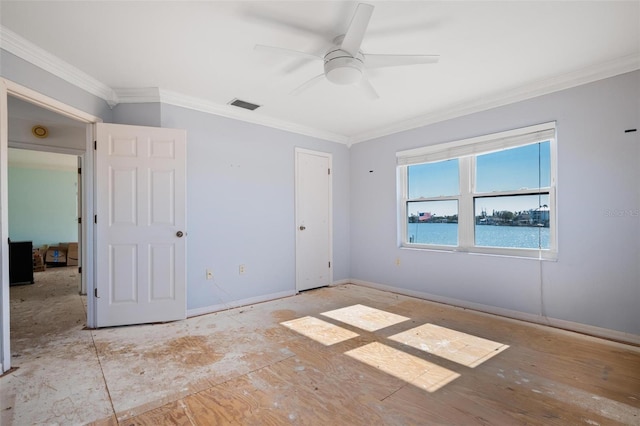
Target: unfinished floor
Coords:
[(345, 355)]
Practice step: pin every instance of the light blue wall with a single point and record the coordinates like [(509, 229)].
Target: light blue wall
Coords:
[(596, 280), (42, 206), (240, 206), (22, 72), (143, 114)]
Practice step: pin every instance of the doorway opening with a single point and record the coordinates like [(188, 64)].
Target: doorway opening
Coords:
[(44, 245), (46, 152)]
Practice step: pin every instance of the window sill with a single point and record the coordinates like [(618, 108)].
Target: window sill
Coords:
[(533, 254)]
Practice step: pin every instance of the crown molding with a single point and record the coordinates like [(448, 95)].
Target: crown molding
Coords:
[(154, 94), (236, 113), (538, 88), (15, 44), (139, 95), (24, 49)]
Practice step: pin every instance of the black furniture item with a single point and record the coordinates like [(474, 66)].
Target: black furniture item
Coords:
[(20, 262)]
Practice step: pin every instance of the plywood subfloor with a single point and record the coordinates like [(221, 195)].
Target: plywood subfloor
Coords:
[(344, 355), (58, 379)]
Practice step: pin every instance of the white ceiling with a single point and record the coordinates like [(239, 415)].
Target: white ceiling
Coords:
[(200, 54)]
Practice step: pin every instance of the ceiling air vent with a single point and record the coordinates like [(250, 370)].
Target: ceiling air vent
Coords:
[(244, 104)]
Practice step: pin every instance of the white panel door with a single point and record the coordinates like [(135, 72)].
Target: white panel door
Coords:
[(140, 225), (313, 219)]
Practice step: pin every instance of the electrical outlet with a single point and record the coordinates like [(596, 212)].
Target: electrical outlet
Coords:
[(209, 274), (241, 269)]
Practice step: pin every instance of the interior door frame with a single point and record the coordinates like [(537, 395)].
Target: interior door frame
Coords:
[(10, 88), (329, 157)]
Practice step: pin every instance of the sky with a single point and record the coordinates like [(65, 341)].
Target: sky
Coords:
[(512, 169)]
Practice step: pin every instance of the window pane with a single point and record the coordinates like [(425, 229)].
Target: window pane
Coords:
[(433, 179), (520, 221), (433, 222), (516, 168)]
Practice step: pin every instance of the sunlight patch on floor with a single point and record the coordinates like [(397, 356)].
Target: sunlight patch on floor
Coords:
[(364, 317), (411, 369), (453, 345), (319, 330)]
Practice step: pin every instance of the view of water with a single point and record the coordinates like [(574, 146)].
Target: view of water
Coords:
[(486, 235)]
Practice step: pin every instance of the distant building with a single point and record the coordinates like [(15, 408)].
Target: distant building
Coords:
[(539, 215)]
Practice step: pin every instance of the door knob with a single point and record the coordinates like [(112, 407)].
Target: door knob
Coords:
[(179, 234), (302, 227)]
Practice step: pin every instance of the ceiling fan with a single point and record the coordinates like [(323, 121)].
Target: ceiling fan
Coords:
[(345, 63)]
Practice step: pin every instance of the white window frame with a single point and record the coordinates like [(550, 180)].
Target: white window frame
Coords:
[(466, 151)]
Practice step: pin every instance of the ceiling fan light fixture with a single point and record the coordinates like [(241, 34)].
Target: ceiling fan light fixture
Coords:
[(344, 62), (341, 68), (344, 75)]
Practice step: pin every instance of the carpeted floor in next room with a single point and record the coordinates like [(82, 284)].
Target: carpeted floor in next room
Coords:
[(345, 355)]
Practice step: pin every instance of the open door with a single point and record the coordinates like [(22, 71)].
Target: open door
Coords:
[(140, 225)]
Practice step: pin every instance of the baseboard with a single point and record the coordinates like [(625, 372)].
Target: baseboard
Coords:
[(591, 330), (340, 282), (237, 303)]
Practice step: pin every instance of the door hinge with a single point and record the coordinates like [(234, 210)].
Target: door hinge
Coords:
[(79, 220), (329, 264), (328, 171), (79, 170), (95, 292), (95, 218), (95, 145), (79, 269)]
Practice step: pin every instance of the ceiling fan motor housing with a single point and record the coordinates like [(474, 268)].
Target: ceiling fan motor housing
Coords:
[(342, 68)]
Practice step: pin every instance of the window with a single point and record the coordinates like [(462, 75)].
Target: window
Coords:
[(493, 194)]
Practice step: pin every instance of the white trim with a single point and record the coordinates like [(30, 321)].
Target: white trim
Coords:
[(5, 307), (29, 95), (591, 330), (37, 98), (238, 303), (46, 148), (138, 96), (515, 94), (87, 256), (24, 49), (465, 151), (339, 282), (478, 145), (154, 94), (230, 111)]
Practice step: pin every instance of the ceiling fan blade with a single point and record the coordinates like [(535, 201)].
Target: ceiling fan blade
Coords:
[(357, 28), (379, 61), (289, 52), (306, 85), (369, 90)]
